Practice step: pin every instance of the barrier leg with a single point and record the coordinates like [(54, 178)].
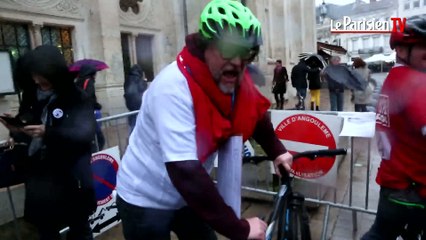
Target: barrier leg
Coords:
[(325, 223), (367, 187), (354, 216), (15, 219)]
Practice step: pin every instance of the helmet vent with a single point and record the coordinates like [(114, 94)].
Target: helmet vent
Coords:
[(239, 27), (250, 31), (225, 25), (235, 15), (221, 11), (210, 24)]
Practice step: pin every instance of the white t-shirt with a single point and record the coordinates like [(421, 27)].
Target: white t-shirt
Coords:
[(164, 132)]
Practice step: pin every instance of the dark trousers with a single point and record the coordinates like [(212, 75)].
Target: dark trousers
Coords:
[(336, 101), (360, 107), (146, 223), (301, 92), (132, 122), (392, 218), (79, 229), (51, 205), (279, 99), (100, 138)]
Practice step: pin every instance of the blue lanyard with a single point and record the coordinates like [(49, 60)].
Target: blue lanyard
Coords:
[(233, 101)]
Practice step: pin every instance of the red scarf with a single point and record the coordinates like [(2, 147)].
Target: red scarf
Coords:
[(215, 119)]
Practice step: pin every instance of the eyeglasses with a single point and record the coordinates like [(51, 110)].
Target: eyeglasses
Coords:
[(231, 51)]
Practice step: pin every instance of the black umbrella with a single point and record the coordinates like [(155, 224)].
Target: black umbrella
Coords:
[(343, 75), (313, 60)]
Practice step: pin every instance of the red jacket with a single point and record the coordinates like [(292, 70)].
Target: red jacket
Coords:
[(401, 122)]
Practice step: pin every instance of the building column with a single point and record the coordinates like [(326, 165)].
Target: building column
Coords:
[(105, 39), (132, 48), (36, 39)]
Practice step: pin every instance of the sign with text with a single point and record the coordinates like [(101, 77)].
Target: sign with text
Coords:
[(105, 166), (364, 25), (300, 132), (358, 124)]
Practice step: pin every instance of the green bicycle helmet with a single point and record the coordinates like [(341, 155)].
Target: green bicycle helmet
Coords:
[(230, 21)]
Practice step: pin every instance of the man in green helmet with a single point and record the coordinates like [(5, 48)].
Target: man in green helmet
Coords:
[(193, 106)]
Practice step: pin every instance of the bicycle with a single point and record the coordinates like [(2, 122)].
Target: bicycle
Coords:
[(289, 218)]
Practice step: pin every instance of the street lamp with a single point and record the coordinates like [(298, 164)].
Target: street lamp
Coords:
[(323, 11)]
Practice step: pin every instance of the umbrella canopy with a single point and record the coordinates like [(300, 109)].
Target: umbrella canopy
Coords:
[(313, 59), (99, 65), (348, 77)]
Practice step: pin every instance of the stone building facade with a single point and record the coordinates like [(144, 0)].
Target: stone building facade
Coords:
[(148, 32)]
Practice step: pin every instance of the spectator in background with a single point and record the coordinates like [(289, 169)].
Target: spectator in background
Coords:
[(86, 82), (60, 129), (315, 86), (362, 97), (279, 84), (134, 86), (298, 78), (335, 89)]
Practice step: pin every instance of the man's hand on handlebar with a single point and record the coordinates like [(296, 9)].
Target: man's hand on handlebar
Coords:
[(257, 228), (286, 160)]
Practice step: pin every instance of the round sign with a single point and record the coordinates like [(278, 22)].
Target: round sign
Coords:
[(309, 130), (104, 169)]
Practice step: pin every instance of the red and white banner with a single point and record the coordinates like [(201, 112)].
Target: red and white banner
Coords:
[(300, 131)]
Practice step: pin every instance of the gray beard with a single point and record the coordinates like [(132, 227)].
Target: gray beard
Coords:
[(226, 90)]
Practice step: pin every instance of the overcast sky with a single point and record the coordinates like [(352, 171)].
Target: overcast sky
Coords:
[(338, 2)]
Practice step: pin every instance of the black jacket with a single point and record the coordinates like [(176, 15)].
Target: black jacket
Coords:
[(60, 180), (86, 82), (63, 163), (280, 80), (314, 80), (134, 87), (298, 75)]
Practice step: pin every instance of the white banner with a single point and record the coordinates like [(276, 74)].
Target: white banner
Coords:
[(229, 172)]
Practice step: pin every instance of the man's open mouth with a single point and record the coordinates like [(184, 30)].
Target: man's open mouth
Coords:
[(231, 74)]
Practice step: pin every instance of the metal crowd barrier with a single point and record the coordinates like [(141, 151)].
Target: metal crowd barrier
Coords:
[(116, 123), (116, 131)]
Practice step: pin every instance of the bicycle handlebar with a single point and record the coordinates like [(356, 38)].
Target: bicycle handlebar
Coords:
[(320, 153), (285, 176), (309, 154)]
